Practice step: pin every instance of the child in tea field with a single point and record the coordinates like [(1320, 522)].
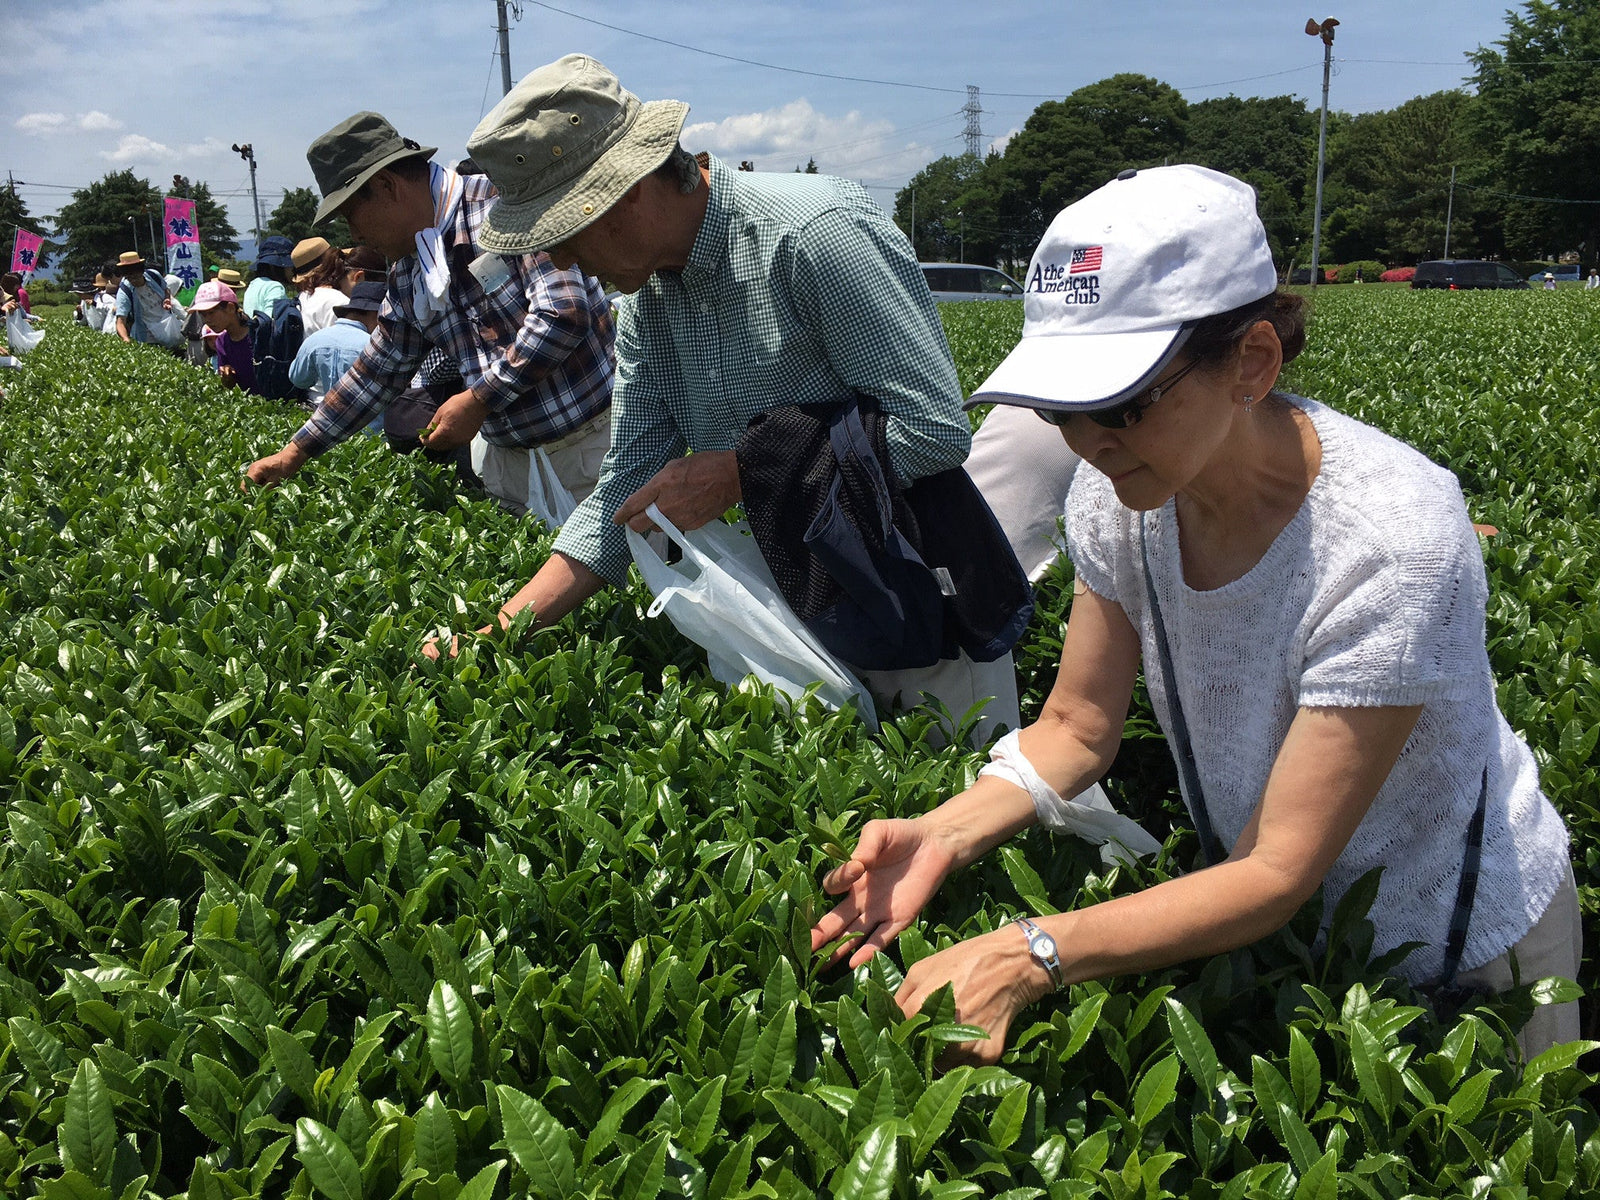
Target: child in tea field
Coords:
[(1307, 598), (224, 317)]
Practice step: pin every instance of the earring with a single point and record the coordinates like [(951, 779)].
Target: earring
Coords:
[(1249, 402)]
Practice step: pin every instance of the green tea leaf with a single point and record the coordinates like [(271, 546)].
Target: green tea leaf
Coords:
[(88, 1130), (322, 1152), (449, 1026), (537, 1142), (874, 1169)]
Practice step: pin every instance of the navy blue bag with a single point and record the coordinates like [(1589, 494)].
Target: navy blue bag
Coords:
[(887, 577), (275, 340)]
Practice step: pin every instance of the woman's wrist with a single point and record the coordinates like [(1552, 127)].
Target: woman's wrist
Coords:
[(973, 822)]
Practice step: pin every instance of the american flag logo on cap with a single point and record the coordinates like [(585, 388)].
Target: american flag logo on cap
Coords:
[(1086, 259)]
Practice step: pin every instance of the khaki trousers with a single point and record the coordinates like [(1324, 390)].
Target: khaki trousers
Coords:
[(575, 457), (1554, 946)]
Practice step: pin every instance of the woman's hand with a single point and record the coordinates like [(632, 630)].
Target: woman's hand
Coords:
[(993, 978), (896, 868)]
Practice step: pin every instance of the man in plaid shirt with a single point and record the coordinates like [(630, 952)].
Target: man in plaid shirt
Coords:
[(532, 342), (749, 292)]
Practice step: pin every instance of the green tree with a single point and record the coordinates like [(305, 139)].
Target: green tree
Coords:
[(106, 218), (809, 169), (293, 219), (218, 237), (1266, 141), (14, 214), (1387, 188), (956, 207), (1539, 115), (1069, 147)]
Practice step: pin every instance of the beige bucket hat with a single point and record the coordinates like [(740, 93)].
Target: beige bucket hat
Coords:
[(351, 153), (562, 147)]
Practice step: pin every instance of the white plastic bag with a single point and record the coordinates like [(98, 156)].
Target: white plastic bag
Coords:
[(723, 598), (22, 336), (95, 316), (168, 331), (548, 498)]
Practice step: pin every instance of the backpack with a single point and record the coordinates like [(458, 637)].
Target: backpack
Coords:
[(275, 340)]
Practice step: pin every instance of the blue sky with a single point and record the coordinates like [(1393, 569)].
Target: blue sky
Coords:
[(168, 87)]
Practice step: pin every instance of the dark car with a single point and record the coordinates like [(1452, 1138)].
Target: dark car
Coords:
[(969, 281), (1460, 274)]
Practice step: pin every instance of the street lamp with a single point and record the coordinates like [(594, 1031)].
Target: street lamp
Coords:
[(962, 257), (248, 153), (133, 223), (1325, 32)]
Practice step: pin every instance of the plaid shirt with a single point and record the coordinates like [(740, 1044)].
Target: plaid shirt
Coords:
[(797, 290), (536, 348)]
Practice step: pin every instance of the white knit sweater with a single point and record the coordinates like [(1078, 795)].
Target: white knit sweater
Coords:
[(1372, 595)]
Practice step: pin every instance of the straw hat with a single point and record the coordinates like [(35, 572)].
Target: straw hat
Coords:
[(307, 254)]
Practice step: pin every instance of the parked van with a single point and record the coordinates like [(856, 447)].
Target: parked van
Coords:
[(969, 281), (1459, 274)]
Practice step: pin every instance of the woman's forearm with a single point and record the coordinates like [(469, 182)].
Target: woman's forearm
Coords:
[(1211, 911)]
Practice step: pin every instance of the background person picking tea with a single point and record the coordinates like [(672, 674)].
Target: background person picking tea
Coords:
[(532, 341), (750, 291), (1306, 595)]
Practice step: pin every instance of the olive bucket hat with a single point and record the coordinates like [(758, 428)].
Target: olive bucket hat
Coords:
[(351, 153), (562, 147)]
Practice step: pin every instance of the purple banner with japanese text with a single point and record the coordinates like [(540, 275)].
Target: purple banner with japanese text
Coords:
[(183, 241)]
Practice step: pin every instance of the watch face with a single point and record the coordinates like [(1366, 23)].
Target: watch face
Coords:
[(1044, 945)]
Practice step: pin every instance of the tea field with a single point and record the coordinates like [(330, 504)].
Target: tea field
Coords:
[(287, 911)]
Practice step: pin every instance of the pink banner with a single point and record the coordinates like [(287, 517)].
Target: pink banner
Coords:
[(25, 254), (183, 241)]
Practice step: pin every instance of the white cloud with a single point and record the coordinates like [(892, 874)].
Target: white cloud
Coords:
[(43, 124), (135, 147), (780, 139), (39, 124)]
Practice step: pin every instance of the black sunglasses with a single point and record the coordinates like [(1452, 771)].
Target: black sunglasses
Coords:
[(1121, 416)]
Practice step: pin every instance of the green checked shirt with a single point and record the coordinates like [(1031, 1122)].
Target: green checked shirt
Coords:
[(798, 290)]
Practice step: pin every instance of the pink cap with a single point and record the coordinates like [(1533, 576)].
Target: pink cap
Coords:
[(212, 294)]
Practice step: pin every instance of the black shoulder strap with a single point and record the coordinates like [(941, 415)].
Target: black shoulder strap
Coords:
[(1183, 749), (1467, 888)]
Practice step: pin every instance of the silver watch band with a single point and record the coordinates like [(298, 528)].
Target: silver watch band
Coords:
[(1043, 949)]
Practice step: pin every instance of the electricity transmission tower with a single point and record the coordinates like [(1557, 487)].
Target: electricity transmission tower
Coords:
[(974, 134)]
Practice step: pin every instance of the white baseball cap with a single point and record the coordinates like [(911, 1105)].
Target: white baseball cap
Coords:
[(1118, 281)]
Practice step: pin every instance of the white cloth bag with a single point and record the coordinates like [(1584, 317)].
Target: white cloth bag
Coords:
[(548, 498), (22, 336), (723, 598)]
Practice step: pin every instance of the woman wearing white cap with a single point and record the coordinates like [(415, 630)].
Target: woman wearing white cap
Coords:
[(1306, 596)]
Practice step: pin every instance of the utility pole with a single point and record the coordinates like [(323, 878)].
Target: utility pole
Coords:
[(913, 222), (1325, 32), (962, 213), (1449, 212), (248, 153), (505, 47)]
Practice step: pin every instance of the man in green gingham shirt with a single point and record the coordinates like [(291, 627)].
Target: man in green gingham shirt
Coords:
[(748, 292)]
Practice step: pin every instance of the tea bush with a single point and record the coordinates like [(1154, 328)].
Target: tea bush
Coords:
[(286, 911)]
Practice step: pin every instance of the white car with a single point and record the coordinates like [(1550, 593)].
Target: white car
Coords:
[(969, 281)]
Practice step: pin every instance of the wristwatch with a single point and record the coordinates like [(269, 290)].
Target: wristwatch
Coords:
[(1043, 948)]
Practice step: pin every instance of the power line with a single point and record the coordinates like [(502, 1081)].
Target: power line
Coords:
[(749, 62), (899, 83), (1515, 196)]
